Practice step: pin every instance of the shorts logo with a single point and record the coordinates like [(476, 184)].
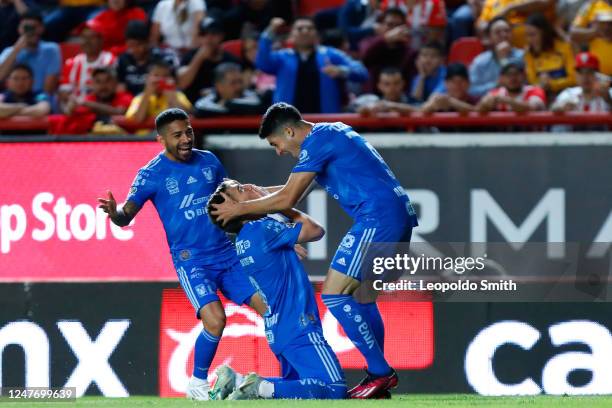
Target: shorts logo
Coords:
[(348, 241), (341, 261), (192, 180), (303, 156), (201, 290), (172, 185), (185, 254), (133, 190), (357, 318), (208, 174)]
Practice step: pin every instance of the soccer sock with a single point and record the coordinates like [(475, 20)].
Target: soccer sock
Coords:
[(376, 322), (205, 349), (353, 319), (306, 388)]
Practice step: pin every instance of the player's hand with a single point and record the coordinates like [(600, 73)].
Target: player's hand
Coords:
[(108, 205), (275, 25), (301, 252), (226, 210), (256, 189)]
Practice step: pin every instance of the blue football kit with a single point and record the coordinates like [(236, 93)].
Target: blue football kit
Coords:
[(310, 369), (350, 169), (203, 256)]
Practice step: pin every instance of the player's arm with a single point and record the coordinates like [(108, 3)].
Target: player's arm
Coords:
[(120, 215), (274, 189), (283, 199), (311, 229)]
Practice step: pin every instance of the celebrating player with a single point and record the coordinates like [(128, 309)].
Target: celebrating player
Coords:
[(355, 174), (178, 181), (310, 369)]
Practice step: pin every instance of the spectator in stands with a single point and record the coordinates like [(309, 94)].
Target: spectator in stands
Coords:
[(252, 15), (254, 78), (10, 14), (548, 60), (20, 98), (177, 21), (308, 76), (430, 72), (456, 97), (515, 12), (426, 21), (198, 65), (391, 85), (590, 95), (565, 12), (484, 70), (76, 74), (596, 32), (112, 22), (461, 21), (513, 94), (357, 18), (159, 94), (390, 48), (229, 96), (133, 64), (43, 58), (69, 15)]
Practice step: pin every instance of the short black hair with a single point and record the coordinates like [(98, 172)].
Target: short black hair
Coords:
[(394, 11), (32, 14), (223, 69), (456, 69), (161, 63), (137, 30), (103, 70), (22, 67), (233, 226), (434, 45), (168, 116), (492, 23), (276, 116), (391, 71)]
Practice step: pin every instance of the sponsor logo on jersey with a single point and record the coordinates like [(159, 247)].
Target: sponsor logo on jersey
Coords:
[(208, 174), (348, 240), (192, 180), (242, 246), (188, 200), (303, 156), (133, 190), (247, 261), (172, 185)]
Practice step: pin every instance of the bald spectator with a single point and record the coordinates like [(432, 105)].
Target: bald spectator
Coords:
[(512, 94), (43, 58), (19, 97), (484, 70)]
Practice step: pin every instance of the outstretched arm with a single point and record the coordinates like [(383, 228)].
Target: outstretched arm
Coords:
[(121, 215)]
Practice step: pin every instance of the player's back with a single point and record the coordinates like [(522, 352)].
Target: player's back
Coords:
[(179, 192), (266, 253), (353, 172)]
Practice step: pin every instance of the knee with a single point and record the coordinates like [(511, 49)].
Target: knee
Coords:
[(214, 323)]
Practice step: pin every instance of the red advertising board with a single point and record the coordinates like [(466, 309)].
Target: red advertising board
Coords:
[(50, 228), (409, 340)]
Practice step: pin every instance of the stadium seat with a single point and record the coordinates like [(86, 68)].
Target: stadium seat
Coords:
[(310, 7), (234, 47), (464, 50), (69, 50)]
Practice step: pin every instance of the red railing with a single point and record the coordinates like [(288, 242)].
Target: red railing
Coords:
[(382, 121)]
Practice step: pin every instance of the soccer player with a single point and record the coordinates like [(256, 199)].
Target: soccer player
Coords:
[(355, 174), (179, 181), (310, 369)]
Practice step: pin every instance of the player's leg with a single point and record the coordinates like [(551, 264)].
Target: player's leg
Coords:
[(342, 280)]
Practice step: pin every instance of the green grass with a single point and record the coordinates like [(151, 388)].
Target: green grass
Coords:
[(410, 401)]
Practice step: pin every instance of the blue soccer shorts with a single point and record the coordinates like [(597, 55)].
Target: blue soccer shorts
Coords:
[(201, 280), (351, 256)]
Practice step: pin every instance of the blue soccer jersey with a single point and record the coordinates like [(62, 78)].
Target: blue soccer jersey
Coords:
[(354, 173), (265, 250), (180, 192)]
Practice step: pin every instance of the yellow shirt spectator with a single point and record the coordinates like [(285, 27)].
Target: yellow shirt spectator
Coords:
[(493, 8), (157, 104), (587, 14), (81, 3), (557, 64), (602, 49)]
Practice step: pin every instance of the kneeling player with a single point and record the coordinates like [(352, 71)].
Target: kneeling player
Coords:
[(310, 369)]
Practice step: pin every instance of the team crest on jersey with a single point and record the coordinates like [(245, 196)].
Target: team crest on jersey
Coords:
[(185, 254), (133, 190), (208, 174), (201, 290), (348, 241), (303, 156), (172, 185)]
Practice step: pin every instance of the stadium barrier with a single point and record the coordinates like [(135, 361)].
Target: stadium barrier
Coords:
[(381, 121)]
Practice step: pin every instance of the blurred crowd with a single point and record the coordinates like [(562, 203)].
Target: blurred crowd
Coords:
[(85, 61)]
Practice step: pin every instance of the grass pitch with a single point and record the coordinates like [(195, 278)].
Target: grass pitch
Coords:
[(410, 401)]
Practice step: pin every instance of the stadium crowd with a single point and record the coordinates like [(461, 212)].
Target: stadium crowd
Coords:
[(81, 62)]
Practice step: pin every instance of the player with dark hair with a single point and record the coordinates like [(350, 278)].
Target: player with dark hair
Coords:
[(310, 369), (355, 174), (179, 181)]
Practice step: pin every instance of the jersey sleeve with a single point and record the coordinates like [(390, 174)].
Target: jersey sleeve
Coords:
[(143, 188), (314, 155), (278, 235)]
